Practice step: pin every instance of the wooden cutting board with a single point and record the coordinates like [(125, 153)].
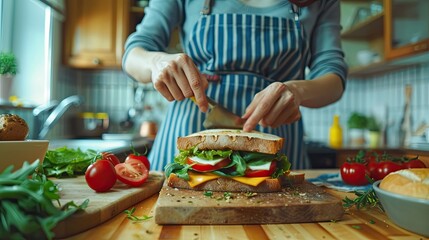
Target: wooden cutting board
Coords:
[(300, 203), (102, 206)]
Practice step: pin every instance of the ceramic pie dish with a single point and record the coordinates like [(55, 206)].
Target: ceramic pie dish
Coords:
[(410, 213)]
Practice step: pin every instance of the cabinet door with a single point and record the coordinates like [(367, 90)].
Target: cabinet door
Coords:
[(95, 32), (407, 28)]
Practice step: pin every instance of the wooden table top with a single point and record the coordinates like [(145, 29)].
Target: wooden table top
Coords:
[(356, 224)]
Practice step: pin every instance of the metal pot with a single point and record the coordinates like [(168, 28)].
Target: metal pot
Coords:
[(91, 125), (148, 129)]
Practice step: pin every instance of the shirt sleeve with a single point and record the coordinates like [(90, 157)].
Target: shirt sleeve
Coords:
[(154, 31), (326, 53)]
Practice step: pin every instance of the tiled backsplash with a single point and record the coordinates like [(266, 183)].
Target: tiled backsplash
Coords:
[(382, 95), (112, 91)]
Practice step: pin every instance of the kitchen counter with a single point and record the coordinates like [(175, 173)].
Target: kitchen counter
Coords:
[(356, 224)]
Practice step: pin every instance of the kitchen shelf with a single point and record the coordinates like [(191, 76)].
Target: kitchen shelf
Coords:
[(370, 28), (373, 69), (388, 65)]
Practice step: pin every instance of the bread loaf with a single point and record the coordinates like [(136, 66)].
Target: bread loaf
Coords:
[(12, 128), (409, 182), (232, 139)]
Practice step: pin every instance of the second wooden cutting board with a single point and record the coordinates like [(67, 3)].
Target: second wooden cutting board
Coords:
[(300, 203), (102, 206)]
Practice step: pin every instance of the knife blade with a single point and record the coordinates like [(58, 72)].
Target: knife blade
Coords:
[(218, 116)]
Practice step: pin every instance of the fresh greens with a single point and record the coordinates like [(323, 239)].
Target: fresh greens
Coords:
[(26, 207), (67, 162)]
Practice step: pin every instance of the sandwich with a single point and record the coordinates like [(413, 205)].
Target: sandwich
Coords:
[(229, 160)]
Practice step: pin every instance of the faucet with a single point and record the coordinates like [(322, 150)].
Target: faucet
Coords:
[(41, 130)]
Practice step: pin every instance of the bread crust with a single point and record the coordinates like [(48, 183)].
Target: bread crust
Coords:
[(12, 128), (232, 139), (224, 184), (409, 182)]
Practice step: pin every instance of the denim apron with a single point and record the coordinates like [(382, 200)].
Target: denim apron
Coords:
[(241, 54)]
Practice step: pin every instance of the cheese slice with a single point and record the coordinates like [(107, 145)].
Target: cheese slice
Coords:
[(196, 179), (254, 181)]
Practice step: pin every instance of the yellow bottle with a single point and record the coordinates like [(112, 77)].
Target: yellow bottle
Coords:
[(336, 133)]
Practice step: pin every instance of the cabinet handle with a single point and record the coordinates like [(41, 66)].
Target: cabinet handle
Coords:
[(420, 47), (96, 61)]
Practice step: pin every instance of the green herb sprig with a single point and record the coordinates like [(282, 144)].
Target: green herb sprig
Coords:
[(134, 218), (364, 199)]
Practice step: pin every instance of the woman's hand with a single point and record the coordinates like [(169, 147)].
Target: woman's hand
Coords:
[(176, 77), (275, 105)]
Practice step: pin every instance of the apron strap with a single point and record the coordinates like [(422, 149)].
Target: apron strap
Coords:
[(207, 7)]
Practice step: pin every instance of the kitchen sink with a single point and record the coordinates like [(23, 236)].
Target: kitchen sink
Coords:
[(113, 145)]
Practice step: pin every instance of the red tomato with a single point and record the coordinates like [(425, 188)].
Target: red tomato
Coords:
[(415, 163), (207, 167), (372, 168), (140, 158), (132, 172), (110, 157), (354, 173), (100, 176), (385, 168), (261, 173)]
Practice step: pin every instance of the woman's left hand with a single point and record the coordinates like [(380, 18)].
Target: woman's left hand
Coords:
[(275, 105)]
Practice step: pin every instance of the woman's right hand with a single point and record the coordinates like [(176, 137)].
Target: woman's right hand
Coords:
[(176, 77)]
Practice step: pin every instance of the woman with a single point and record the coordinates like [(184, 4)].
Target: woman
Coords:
[(248, 55)]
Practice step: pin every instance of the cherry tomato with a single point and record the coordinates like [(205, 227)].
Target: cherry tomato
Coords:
[(261, 173), (132, 172), (140, 158), (385, 168), (100, 176), (414, 163), (110, 157), (372, 166), (354, 173), (207, 167)]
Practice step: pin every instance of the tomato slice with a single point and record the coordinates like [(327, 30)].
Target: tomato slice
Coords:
[(261, 173), (100, 176), (110, 157), (140, 158), (133, 172), (207, 167)]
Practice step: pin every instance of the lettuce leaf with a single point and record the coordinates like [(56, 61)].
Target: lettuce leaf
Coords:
[(67, 162)]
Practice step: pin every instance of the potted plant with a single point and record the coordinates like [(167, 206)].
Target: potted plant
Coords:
[(357, 124), (374, 129), (8, 69)]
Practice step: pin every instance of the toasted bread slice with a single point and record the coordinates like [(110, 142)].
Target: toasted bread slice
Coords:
[(232, 139), (223, 184)]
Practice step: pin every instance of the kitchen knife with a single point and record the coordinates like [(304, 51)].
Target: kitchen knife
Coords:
[(220, 117)]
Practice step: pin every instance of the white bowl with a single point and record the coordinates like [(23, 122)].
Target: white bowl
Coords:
[(17, 152), (407, 212)]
